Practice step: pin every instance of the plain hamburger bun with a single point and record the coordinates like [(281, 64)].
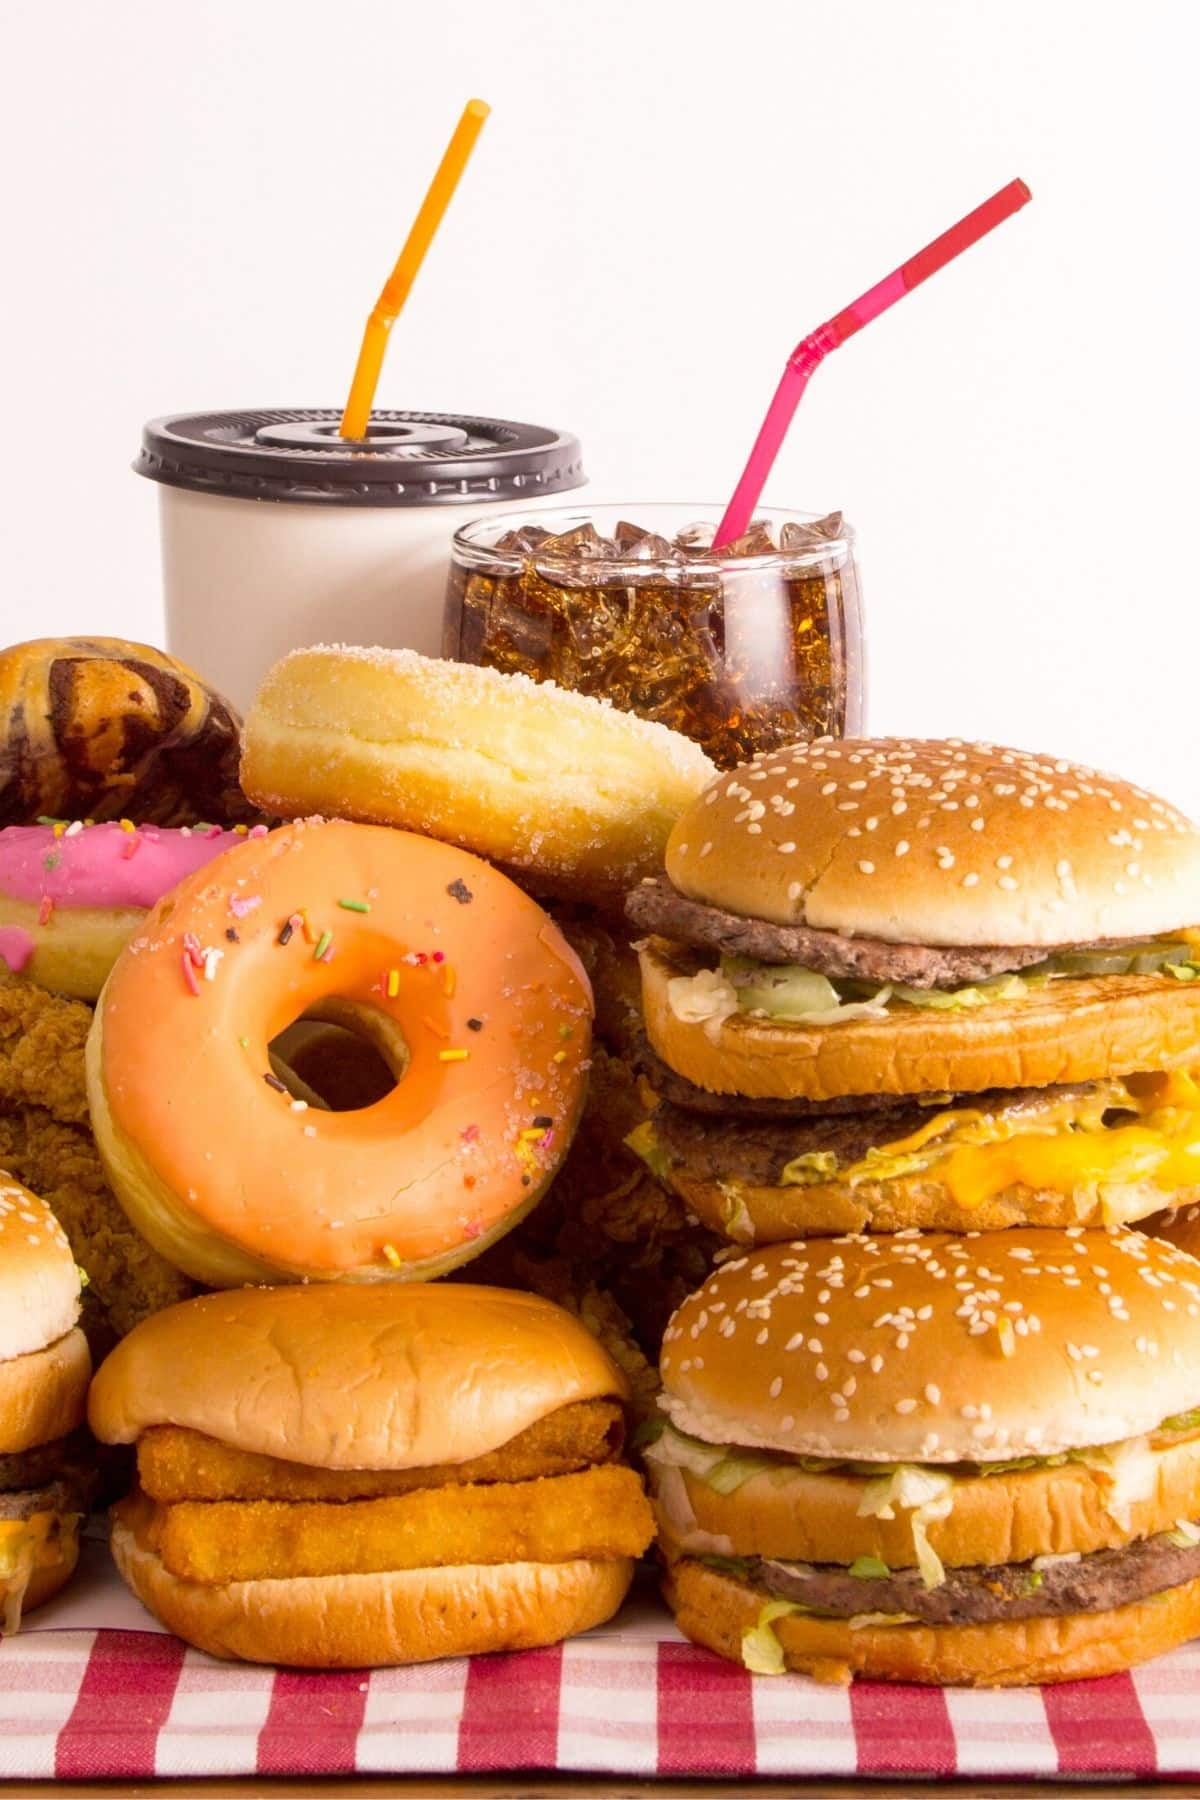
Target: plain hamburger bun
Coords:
[(365, 1621), (352, 1377), (938, 842), (714, 1610), (938, 1349), (1072, 1030)]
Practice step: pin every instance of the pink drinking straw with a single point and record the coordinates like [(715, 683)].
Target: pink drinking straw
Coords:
[(813, 349)]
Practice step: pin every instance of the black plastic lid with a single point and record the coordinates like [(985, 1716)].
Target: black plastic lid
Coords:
[(407, 459)]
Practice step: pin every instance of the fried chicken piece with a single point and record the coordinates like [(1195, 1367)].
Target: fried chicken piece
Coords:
[(41, 1051), (599, 1514), (46, 1144), (176, 1464), (604, 945), (608, 1229)]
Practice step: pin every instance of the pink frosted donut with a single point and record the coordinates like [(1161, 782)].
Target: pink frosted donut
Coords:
[(72, 895)]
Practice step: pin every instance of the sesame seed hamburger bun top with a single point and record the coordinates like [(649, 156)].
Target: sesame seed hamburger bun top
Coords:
[(352, 1376), (39, 1283), (1180, 1227), (938, 842), (938, 1348)]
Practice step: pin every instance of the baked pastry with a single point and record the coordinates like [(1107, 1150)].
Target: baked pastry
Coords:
[(100, 728), (574, 796), (463, 985), (72, 895)]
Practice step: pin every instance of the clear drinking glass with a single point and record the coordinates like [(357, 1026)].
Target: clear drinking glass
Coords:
[(755, 645)]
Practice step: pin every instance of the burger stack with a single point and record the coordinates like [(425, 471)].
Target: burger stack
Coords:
[(922, 1017)]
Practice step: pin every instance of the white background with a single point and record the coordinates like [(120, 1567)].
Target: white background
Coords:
[(203, 196)]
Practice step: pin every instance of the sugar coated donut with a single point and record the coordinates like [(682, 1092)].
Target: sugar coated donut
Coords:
[(469, 992), (72, 894), (577, 797)]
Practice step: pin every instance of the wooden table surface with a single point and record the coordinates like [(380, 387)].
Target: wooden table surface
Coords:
[(592, 1787)]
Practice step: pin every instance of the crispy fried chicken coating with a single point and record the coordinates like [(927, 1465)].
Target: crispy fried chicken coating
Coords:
[(608, 1241), (599, 1514), (46, 1144), (176, 1464)]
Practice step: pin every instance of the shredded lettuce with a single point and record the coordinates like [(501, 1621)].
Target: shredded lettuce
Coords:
[(735, 1214), (925, 1495), (794, 994), (1186, 1421), (814, 1166), (740, 1567), (643, 1141), (736, 1468), (762, 1652), (1185, 1535)]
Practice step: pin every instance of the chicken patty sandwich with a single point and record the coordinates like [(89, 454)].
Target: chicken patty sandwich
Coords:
[(932, 984), (936, 1459), (45, 1477), (346, 1475)]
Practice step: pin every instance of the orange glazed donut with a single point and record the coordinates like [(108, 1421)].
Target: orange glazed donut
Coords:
[(465, 987)]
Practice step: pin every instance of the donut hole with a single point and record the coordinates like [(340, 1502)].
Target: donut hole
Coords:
[(340, 1056)]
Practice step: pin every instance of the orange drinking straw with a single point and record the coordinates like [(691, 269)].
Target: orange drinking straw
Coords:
[(357, 415)]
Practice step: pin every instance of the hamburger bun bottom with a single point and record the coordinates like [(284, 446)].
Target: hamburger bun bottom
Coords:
[(714, 1610), (373, 1621), (749, 1214), (43, 1395), (45, 1581)]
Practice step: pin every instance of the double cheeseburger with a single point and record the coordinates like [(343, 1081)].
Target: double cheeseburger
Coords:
[(45, 1479), (932, 984), (934, 1458), (354, 1475)]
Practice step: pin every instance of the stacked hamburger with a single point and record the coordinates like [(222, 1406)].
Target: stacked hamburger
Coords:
[(905, 987)]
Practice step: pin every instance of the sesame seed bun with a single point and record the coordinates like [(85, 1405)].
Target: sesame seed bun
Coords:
[(367, 1621), (39, 1283), (715, 1611), (1082, 1029), (1180, 1227), (938, 1349), (1054, 1509), (938, 843), (352, 1377), (749, 1213)]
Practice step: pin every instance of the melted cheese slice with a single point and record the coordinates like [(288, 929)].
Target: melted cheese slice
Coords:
[(1061, 1147)]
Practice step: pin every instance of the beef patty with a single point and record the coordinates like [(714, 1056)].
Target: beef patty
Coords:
[(56, 1477), (977, 1596), (65, 1456), (69, 1495), (656, 905), (756, 1150)]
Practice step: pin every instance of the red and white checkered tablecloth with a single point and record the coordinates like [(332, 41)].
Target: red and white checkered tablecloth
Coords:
[(87, 1704), (78, 1701)]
